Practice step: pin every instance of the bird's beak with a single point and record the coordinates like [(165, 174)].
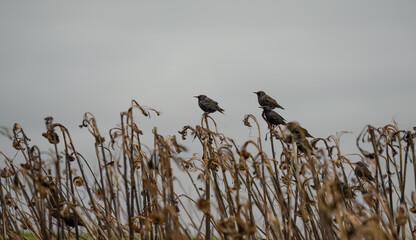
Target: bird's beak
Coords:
[(196, 96), (255, 92)]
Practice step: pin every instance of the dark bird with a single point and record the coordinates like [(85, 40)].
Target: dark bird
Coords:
[(208, 105), (297, 130), (299, 135), (304, 146), (361, 171), (71, 218), (272, 117), (266, 100)]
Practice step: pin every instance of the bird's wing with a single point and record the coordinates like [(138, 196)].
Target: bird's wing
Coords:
[(272, 101), (278, 115), (207, 101), (214, 102), (211, 103)]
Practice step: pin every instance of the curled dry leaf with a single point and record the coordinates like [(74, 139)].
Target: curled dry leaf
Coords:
[(178, 147), (242, 166), (157, 217), (7, 172), (245, 154), (16, 145), (136, 129), (245, 121), (70, 158), (52, 136), (203, 205), (99, 140), (78, 181)]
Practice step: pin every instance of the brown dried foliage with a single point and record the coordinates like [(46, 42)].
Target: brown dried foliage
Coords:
[(292, 188)]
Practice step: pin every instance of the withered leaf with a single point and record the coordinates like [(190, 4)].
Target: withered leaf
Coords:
[(78, 181)]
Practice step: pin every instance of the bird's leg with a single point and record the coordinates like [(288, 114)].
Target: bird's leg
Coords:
[(206, 114)]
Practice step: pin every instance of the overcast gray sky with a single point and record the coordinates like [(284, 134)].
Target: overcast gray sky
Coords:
[(334, 65)]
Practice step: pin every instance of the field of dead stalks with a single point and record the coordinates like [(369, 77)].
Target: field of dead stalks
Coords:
[(283, 185)]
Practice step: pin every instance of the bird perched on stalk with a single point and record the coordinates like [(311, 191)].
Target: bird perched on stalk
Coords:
[(297, 130), (208, 105), (361, 171), (272, 117), (266, 100), (304, 146), (299, 135), (71, 218)]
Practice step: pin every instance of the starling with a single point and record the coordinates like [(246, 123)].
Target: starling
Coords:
[(361, 171), (266, 100), (304, 146), (70, 220), (272, 117), (297, 130), (299, 135), (208, 105)]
